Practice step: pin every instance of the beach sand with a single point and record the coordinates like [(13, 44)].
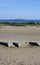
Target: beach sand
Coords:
[(20, 56), (16, 33)]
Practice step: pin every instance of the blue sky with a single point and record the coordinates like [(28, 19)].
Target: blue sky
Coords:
[(19, 9)]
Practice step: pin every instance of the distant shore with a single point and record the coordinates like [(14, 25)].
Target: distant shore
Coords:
[(34, 23)]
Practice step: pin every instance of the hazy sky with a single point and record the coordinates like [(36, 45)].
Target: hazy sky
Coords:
[(19, 9)]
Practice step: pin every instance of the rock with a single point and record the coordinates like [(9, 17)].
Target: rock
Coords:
[(4, 44), (10, 44), (34, 43)]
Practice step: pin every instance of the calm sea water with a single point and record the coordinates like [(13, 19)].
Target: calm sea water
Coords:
[(18, 20)]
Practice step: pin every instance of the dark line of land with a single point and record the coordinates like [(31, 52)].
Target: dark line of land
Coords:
[(20, 24)]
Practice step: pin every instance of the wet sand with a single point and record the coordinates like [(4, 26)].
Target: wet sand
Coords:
[(14, 33), (20, 56)]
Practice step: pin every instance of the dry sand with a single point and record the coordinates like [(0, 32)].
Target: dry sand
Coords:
[(20, 56)]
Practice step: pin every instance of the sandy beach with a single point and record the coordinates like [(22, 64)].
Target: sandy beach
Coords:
[(20, 56), (16, 33)]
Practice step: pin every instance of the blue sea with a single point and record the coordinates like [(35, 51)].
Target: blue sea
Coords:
[(18, 20)]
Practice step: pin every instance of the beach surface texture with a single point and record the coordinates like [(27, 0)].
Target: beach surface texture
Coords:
[(29, 55)]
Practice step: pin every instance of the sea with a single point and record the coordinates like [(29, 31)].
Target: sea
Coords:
[(18, 20)]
